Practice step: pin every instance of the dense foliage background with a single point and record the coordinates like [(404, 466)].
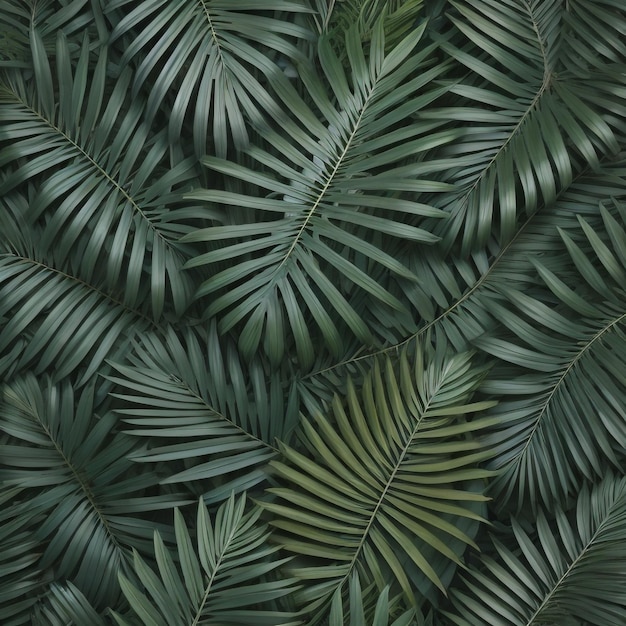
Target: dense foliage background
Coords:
[(313, 312)]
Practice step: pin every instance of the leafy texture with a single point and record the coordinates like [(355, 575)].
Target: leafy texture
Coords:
[(348, 273), (388, 470), (213, 583)]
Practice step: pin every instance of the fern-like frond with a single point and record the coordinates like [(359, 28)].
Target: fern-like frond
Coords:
[(383, 482), (198, 408), (216, 56), (567, 572), (218, 577), (72, 474), (531, 116), (320, 208), (563, 419), (102, 194)]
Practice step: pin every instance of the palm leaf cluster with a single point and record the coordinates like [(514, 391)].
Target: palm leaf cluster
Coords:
[(312, 312)]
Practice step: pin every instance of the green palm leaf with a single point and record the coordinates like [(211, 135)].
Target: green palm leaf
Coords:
[(73, 482), (198, 409), (53, 320), (328, 204), (382, 485), (529, 112), (216, 55), (102, 194), (564, 419), (569, 572), (65, 605), (222, 580)]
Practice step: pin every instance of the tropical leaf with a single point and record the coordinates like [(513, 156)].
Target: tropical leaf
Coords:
[(65, 605), (72, 479), (102, 194), (568, 572), (384, 481), (221, 580), (530, 115), (306, 248), (199, 411), (564, 420), (215, 55), (53, 320), (378, 615)]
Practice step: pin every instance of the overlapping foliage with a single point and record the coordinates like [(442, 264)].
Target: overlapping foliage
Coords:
[(312, 312)]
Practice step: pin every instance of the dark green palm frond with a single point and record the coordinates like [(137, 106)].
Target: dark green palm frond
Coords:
[(72, 476), (383, 484), (569, 572), (51, 319), (21, 578), (360, 613), (463, 303), (564, 418), (218, 578), (216, 56), (65, 605), (320, 212), (103, 197), (530, 116), (198, 409)]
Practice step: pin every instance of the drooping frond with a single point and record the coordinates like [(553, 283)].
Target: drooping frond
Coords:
[(382, 484), (563, 419), (531, 115), (76, 493), (219, 575), (195, 408), (319, 210), (102, 195), (567, 572), (216, 58)]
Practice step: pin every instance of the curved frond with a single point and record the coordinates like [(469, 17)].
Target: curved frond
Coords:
[(383, 483), (563, 418), (65, 605), (220, 576), (217, 56), (531, 116), (319, 211), (71, 471), (197, 409), (103, 196), (568, 572)]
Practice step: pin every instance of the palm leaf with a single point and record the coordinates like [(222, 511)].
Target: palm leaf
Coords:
[(530, 116), (65, 605), (222, 580), (76, 484), (385, 481), (359, 612), (564, 419), (216, 55), (102, 194), (569, 572), (328, 204), (196, 408), (52, 319)]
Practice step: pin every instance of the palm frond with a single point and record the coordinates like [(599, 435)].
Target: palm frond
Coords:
[(222, 579), (563, 419), (383, 485), (303, 253), (217, 56), (73, 478), (53, 321), (531, 117), (192, 404), (360, 613), (102, 196), (568, 572), (65, 605)]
